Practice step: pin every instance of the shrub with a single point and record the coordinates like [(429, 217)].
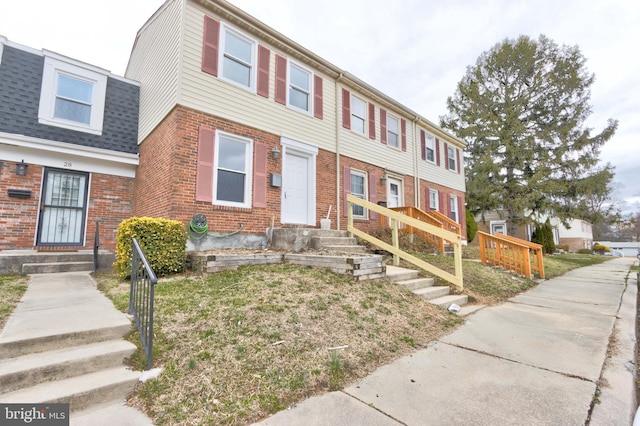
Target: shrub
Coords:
[(163, 242), (543, 235), (472, 226), (601, 248), (585, 251)]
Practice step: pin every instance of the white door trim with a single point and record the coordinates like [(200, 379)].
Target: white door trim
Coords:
[(310, 152)]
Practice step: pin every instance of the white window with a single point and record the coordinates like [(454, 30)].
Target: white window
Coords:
[(72, 96), (358, 114), (453, 208), (392, 131), (452, 158), (232, 170), (431, 148), (238, 58), (299, 95), (433, 199), (359, 189), (498, 227)]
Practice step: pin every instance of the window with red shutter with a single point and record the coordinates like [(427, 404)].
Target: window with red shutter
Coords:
[(264, 57), (210, 43), (204, 165)]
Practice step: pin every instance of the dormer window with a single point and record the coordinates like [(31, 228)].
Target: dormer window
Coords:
[(72, 97)]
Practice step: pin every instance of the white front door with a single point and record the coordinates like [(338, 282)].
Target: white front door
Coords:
[(394, 193), (294, 189)]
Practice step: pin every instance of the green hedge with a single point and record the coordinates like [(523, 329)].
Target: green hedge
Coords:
[(163, 241), (585, 251)]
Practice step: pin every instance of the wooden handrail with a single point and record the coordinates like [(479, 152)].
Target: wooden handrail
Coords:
[(511, 253), (395, 218), (422, 216), (453, 225)]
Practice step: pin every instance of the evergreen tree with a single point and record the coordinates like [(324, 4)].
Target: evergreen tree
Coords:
[(521, 108), (472, 225)]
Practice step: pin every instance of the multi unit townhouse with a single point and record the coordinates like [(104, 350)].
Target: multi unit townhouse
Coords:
[(68, 150), (243, 125)]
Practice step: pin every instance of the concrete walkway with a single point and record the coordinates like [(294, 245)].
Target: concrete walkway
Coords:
[(58, 315), (562, 353)]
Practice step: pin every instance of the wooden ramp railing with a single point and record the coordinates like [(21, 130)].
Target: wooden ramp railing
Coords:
[(432, 217), (395, 218), (511, 253)]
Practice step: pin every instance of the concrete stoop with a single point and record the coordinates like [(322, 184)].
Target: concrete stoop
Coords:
[(423, 287), (82, 368), (35, 262)]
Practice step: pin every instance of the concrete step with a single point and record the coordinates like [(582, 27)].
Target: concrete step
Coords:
[(321, 241), (416, 283), (55, 267), (80, 392), (38, 344), (345, 248), (430, 293), (446, 301), (29, 370), (115, 413), (395, 273)]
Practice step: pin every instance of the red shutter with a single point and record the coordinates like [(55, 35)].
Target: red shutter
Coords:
[(423, 145), (259, 174), (460, 210), (317, 97), (373, 194), (446, 155), (383, 126), (264, 57), (372, 121), (346, 187), (211, 38), (427, 199), (458, 160), (403, 131), (437, 151), (204, 165), (441, 204), (346, 109), (281, 80)]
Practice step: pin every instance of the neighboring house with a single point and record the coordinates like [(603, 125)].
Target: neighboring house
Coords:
[(68, 150), (579, 234), (626, 249), (245, 126)]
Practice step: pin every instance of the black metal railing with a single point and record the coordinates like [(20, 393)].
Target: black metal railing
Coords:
[(96, 247), (143, 281)]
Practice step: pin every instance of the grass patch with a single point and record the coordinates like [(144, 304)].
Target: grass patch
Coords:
[(237, 346), (12, 287), (559, 264)]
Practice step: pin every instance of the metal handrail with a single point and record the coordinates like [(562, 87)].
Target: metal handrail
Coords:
[(143, 281), (395, 217), (96, 247)]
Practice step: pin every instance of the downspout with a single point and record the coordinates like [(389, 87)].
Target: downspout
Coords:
[(416, 147), (338, 193)]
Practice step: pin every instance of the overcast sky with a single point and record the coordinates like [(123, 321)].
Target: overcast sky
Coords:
[(415, 51)]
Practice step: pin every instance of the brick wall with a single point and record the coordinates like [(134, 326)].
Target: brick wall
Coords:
[(424, 202), (110, 203), (166, 178)]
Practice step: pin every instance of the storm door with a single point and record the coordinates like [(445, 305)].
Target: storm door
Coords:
[(63, 208)]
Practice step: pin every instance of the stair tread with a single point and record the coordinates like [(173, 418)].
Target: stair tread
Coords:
[(416, 283), (42, 360), (445, 301), (431, 290), (60, 389)]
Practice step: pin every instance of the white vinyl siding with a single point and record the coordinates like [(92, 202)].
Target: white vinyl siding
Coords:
[(154, 62), (232, 103)]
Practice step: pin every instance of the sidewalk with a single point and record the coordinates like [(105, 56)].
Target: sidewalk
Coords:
[(540, 359)]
